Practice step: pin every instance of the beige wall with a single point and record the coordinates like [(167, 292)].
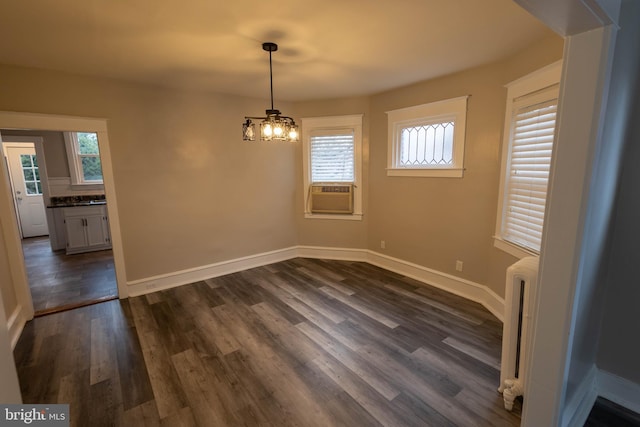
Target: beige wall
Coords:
[(6, 281), (190, 192), (435, 221), (431, 221), (333, 233), (54, 150), (10, 390)]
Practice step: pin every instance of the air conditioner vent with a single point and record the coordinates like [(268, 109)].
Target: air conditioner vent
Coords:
[(331, 198)]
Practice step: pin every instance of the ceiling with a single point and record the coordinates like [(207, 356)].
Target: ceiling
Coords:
[(328, 48)]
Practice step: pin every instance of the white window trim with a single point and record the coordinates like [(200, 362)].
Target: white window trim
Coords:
[(434, 112), (75, 168), (353, 122), (533, 82)]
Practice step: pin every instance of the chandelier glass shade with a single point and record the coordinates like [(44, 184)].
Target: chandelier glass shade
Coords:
[(274, 127)]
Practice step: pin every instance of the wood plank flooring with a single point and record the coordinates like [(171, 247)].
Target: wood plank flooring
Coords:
[(298, 343), (606, 413), (59, 282)]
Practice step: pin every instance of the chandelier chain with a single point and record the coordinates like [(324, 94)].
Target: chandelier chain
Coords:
[(271, 78)]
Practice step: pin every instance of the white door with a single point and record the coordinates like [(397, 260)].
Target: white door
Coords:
[(27, 188)]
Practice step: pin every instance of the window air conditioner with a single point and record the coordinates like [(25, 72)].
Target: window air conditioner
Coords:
[(331, 198)]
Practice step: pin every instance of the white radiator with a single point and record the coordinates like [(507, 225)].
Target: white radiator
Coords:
[(521, 278)]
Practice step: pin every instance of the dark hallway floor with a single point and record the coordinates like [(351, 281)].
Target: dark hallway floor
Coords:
[(59, 281)]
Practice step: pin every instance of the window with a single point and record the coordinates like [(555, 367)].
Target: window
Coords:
[(84, 157), (31, 174), (332, 156), (332, 153), (532, 104), (428, 139)]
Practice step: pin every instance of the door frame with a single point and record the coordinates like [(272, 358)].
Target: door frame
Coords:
[(8, 216), (37, 143)]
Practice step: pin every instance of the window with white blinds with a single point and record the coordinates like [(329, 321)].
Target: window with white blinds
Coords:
[(332, 156), (533, 121), (332, 152)]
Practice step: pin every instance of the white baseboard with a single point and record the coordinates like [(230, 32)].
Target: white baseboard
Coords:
[(344, 254), (619, 390), (576, 410), (183, 277), (15, 324), (604, 384), (455, 285)]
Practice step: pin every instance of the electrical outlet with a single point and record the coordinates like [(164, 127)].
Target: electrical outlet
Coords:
[(459, 265), (382, 244)]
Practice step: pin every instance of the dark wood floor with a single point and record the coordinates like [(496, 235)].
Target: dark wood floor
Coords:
[(298, 343), (608, 414), (58, 281)]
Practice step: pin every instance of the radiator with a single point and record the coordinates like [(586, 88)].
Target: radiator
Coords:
[(521, 279)]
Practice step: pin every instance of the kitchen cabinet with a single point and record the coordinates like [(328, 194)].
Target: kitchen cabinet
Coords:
[(57, 230), (87, 229)]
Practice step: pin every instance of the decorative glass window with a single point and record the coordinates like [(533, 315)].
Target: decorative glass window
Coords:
[(428, 139), (426, 145), (31, 174), (84, 157)]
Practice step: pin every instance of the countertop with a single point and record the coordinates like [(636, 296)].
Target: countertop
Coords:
[(80, 200), (74, 204)]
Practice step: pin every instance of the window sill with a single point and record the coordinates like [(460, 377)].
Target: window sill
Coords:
[(512, 249), (352, 217), (441, 173), (92, 186)]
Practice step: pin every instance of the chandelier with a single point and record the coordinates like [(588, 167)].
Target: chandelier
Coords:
[(274, 127)]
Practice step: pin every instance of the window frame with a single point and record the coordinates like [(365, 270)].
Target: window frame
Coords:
[(537, 81), (351, 123), (454, 109), (75, 162), (36, 179)]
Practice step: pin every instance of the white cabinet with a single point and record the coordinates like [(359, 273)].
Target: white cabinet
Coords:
[(87, 229)]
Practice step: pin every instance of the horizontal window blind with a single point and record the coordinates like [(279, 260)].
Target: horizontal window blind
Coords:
[(332, 157), (532, 129)]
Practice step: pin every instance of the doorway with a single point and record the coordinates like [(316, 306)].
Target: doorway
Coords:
[(58, 278)]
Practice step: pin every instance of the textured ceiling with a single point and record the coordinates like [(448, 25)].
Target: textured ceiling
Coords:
[(328, 48)]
